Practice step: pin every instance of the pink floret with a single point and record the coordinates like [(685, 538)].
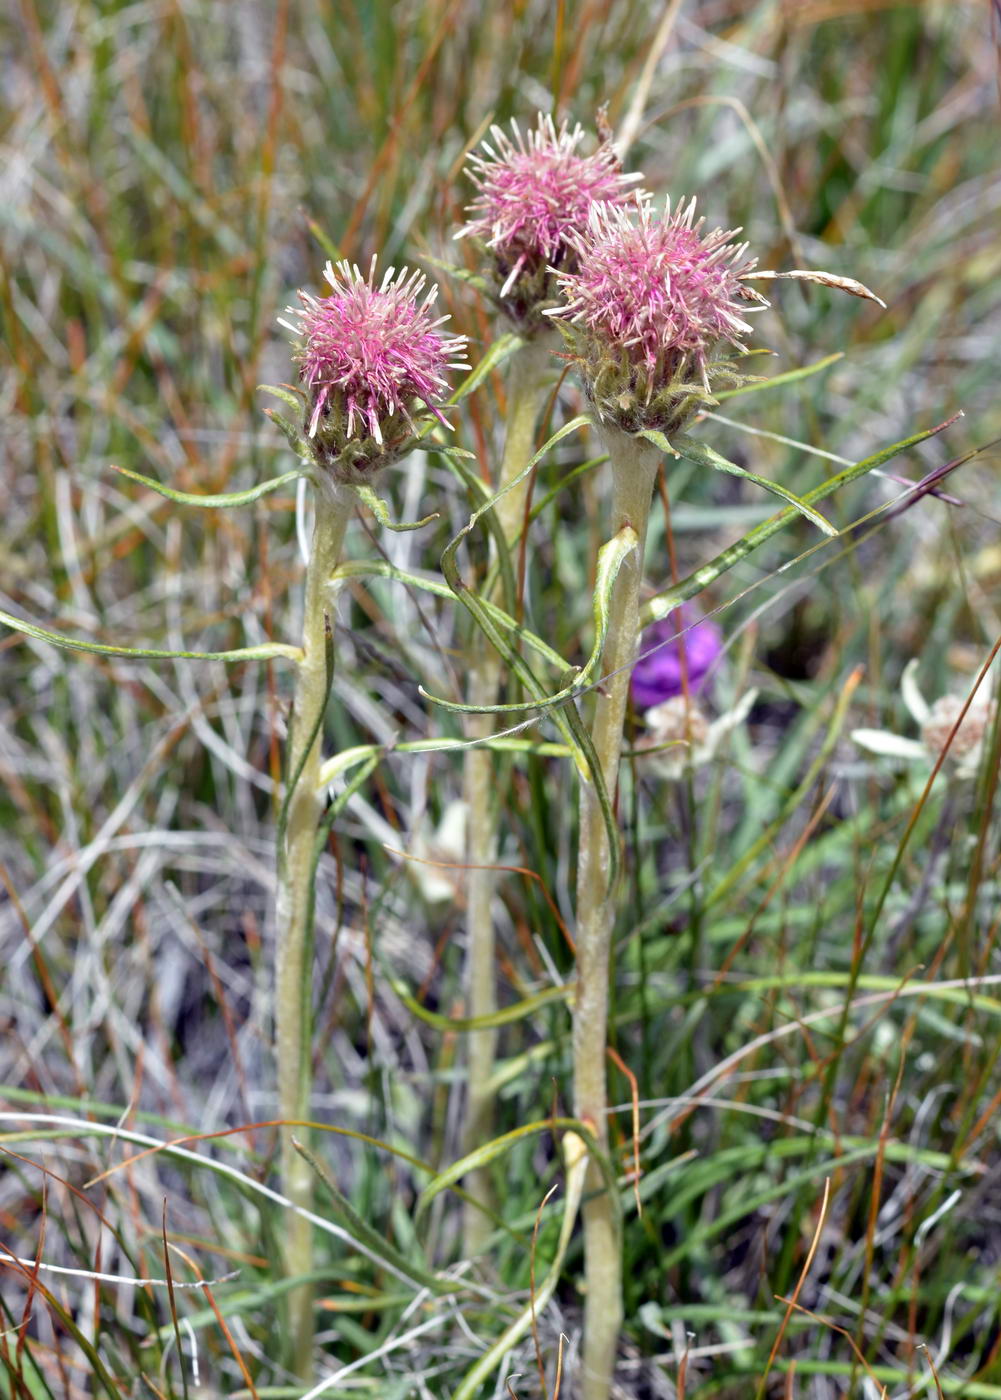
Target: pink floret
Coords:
[(659, 289), (376, 347), (534, 191)]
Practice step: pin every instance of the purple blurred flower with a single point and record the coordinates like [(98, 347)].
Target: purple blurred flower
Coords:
[(533, 194), (372, 361), (657, 675), (647, 305)]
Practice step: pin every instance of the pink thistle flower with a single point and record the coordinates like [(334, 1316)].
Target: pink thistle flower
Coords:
[(646, 306), (372, 362), (534, 194)]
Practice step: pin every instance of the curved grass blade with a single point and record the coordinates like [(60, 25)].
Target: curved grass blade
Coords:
[(597, 777), (220, 501), (571, 476), (705, 456), (285, 393), (477, 487), (266, 652), (482, 615), (487, 1152), (99, 1370), (506, 1016), (499, 743), (610, 559), (373, 1241), (575, 1156)]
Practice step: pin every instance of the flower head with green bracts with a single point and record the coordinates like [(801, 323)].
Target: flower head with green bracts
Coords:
[(647, 307), (372, 364), (534, 195)]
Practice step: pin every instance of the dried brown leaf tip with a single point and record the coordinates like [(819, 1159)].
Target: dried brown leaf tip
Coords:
[(824, 279)]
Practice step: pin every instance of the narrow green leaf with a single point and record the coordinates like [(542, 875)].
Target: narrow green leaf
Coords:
[(790, 376), (293, 434), (380, 510), (506, 1016), (325, 241), (266, 652), (441, 451), (381, 568), (460, 274), (570, 477), (347, 759), (489, 1151), (666, 601), (501, 350), (222, 500), (590, 767), (658, 439), (474, 604), (479, 490), (610, 559), (288, 396), (705, 456)]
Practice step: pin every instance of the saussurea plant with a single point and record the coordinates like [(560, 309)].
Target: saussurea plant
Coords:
[(534, 193), (646, 308), (373, 365)]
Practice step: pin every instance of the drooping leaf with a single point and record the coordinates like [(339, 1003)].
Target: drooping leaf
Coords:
[(371, 1240), (705, 456), (221, 500), (266, 652), (380, 510), (670, 598)]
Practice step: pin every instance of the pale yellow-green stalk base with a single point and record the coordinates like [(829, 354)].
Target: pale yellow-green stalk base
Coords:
[(634, 469), (293, 982), (526, 393)]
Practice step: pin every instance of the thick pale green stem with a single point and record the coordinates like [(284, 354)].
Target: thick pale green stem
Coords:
[(634, 469), (526, 392), (293, 974)]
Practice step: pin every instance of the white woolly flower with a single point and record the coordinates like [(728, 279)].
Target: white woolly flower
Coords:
[(937, 724), (691, 739)]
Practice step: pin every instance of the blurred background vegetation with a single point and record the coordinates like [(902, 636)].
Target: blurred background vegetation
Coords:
[(171, 171)]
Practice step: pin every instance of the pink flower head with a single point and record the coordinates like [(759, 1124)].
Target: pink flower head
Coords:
[(534, 194), (371, 360), (647, 305)]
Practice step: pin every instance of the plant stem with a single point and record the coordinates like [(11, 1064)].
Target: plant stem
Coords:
[(634, 469), (293, 972), (526, 393)]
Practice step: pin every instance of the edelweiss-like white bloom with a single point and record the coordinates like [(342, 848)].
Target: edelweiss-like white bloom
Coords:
[(681, 723), (936, 723)]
